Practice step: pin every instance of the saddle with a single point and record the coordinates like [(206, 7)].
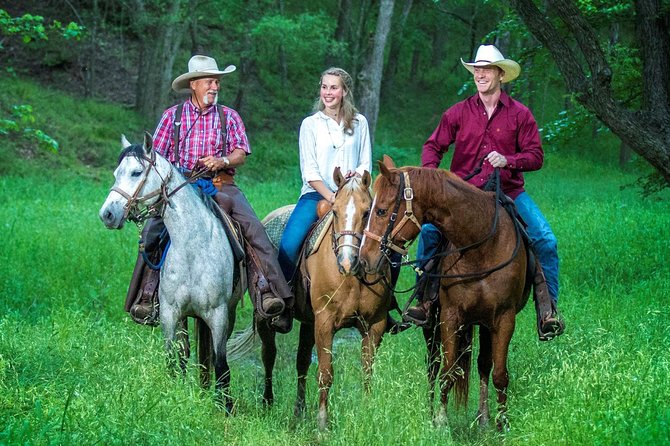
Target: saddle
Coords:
[(274, 224), (311, 245)]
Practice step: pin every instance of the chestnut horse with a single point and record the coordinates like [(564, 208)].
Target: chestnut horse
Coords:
[(341, 294), (483, 273), (332, 292)]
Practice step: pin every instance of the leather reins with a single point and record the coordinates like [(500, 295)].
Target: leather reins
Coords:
[(133, 209)]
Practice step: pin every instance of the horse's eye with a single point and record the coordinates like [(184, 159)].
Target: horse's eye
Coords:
[(366, 214), (381, 212), (334, 214), (136, 173)]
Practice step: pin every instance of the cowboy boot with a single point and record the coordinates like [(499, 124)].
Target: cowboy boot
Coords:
[(549, 321), (420, 313), (145, 309), (268, 303)]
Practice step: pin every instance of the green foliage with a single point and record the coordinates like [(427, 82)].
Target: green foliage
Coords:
[(32, 27), (59, 131), (21, 117)]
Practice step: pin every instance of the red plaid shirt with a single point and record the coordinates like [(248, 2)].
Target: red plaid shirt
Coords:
[(200, 135)]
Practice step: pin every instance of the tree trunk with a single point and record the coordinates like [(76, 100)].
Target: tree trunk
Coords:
[(342, 32), (161, 35), (647, 130), (394, 52), (359, 40), (371, 76)]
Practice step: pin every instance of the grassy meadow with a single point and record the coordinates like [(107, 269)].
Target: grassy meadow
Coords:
[(74, 369)]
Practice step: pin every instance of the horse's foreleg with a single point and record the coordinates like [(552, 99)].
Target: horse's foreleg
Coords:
[(204, 336), (324, 344), (221, 368), (500, 340), (303, 360), (169, 321), (268, 355), (484, 365), (371, 340)]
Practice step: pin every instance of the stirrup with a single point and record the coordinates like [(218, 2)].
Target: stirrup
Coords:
[(550, 327), (422, 307), (394, 327)]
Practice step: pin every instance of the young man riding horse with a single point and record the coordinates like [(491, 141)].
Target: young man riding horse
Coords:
[(199, 135), (492, 130)]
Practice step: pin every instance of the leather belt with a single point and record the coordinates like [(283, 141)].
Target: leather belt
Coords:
[(218, 178), (189, 174)]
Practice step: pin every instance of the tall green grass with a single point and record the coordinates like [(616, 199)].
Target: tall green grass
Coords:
[(75, 370)]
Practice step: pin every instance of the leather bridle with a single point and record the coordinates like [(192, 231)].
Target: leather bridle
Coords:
[(136, 209), (387, 241)]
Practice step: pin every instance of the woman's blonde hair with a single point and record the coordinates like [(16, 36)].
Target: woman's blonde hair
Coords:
[(347, 105)]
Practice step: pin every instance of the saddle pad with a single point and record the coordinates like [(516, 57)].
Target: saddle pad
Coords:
[(318, 232), (275, 222)]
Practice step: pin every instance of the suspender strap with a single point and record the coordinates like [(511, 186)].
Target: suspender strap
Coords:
[(176, 126), (224, 128), (175, 132)]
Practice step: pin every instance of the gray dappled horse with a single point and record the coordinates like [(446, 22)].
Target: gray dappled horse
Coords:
[(197, 277)]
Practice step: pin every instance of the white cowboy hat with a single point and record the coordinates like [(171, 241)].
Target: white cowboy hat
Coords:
[(198, 66), (489, 55)]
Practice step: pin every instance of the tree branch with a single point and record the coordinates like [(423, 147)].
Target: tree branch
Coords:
[(549, 36), (587, 40)]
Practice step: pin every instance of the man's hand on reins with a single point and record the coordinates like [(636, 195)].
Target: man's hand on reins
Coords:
[(496, 159)]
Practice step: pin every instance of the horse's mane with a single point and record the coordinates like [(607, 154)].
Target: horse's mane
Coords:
[(440, 181), (435, 184), (135, 150), (353, 184)]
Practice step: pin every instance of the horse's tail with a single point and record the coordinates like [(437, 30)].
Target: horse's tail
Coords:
[(241, 343), (463, 363)]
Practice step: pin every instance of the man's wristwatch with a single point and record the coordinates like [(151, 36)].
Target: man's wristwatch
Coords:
[(226, 161)]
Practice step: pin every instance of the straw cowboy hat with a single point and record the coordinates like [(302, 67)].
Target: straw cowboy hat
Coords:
[(488, 55), (198, 66)]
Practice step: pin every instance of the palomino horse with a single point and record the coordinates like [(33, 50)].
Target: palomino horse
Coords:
[(483, 273), (332, 293), (197, 276)]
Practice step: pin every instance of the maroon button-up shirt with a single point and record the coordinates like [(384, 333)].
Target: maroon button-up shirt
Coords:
[(511, 131)]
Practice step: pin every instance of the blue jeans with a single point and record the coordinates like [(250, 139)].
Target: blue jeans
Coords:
[(297, 227), (543, 240)]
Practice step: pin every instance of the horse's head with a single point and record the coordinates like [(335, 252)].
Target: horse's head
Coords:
[(138, 182), (350, 214), (386, 232)]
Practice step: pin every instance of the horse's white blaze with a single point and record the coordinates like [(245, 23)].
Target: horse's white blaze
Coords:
[(367, 225), (347, 242)]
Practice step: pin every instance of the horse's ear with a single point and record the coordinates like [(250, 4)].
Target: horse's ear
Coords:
[(338, 177), (124, 141), (385, 171), (367, 179), (148, 142), (388, 162)]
